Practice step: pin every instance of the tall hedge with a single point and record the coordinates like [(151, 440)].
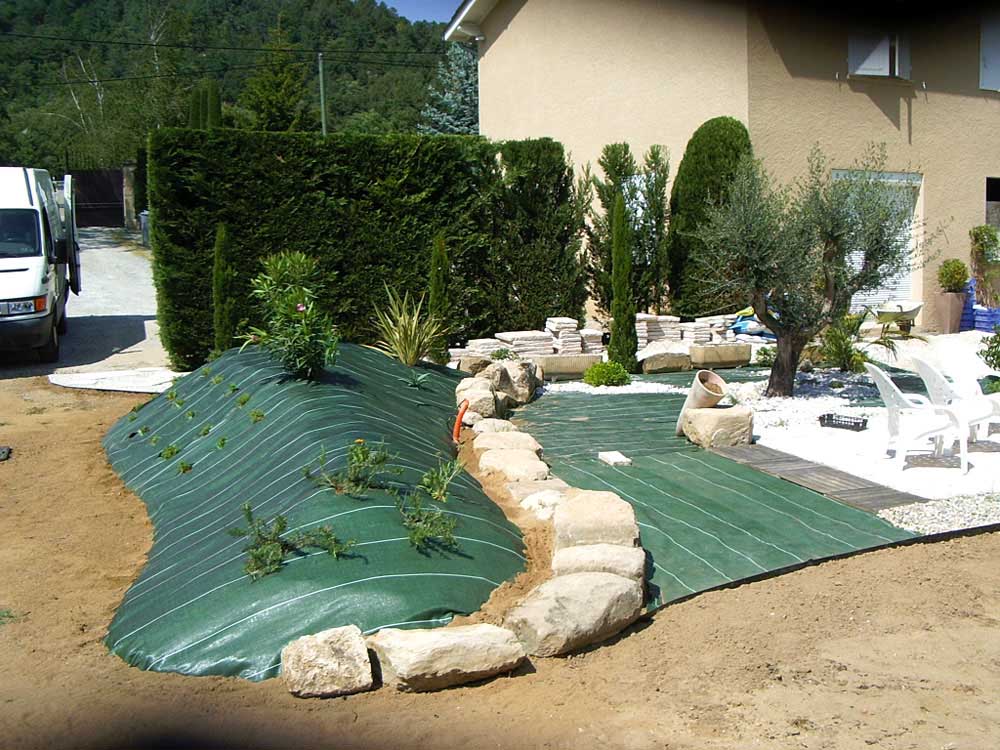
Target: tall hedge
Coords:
[(224, 277), (367, 207), (702, 178)]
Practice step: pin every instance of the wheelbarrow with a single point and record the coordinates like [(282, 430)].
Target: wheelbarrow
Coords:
[(900, 313)]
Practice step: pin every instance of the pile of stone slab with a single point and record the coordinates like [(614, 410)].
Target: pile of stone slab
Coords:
[(696, 332), (565, 337), (593, 340), (485, 347), (649, 328), (527, 343)]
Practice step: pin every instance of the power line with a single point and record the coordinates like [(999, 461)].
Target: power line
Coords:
[(292, 50), (159, 75)]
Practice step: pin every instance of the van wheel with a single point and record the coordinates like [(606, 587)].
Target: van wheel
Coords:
[(63, 324), (50, 351)]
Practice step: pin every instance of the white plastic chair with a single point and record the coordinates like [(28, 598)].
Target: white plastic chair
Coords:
[(975, 407), (916, 410)]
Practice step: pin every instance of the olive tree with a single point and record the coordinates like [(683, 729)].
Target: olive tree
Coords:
[(799, 253)]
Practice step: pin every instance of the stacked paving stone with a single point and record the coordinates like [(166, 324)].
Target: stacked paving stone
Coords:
[(527, 343), (650, 328), (565, 337), (696, 332), (592, 340), (484, 346)]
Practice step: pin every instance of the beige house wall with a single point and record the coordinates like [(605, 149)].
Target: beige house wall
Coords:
[(939, 124), (592, 72)]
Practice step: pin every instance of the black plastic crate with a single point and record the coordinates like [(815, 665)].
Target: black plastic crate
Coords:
[(843, 423)]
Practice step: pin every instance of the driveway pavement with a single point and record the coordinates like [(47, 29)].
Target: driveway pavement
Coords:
[(112, 324)]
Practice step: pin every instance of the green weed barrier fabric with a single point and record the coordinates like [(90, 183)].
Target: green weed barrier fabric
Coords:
[(194, 610), (704, 520)]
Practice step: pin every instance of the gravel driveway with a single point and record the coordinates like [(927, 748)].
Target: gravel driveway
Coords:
[(112, 324)]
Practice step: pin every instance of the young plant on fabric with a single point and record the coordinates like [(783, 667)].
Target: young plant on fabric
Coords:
[(405, 331), (425, 527), (365, 466), (268, 546), (435, 481)]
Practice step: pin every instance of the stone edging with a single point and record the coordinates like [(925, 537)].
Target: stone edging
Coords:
[(596, 589)]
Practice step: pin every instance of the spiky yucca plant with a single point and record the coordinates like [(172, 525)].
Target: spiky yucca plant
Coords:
[(405, 331)]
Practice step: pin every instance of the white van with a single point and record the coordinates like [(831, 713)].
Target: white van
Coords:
[(39, 261)]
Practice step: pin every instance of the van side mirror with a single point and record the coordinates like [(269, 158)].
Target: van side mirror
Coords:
[(61, 251)]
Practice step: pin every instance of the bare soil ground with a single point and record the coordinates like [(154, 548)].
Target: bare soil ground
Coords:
[(892, 649)]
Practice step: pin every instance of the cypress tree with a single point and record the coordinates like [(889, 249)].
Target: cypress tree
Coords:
[(624, 341), (223, 304), (213, 104), (437, 298), (195, 116)]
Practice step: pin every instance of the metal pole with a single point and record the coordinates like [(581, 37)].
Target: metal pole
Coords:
[(322, 95)]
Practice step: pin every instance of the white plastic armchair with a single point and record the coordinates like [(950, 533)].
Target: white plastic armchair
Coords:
[(923, 420), (972, 406)]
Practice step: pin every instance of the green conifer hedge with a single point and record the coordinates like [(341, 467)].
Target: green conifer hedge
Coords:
[(367, 207)]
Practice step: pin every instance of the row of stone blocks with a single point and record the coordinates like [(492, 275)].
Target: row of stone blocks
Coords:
[(596, 590)]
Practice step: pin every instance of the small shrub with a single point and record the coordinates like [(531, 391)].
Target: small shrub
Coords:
[(504, 353), (606, 373), (233, 388), (990, 353), (766, 356), (435, 481), (365, 466), (425, 527), (171, 395), (205, 430), (169, 452), (184, 467), (414, 379), (220, 443), (190, 414), (992, 386), (154, 440), (7, 616), (405, 332), (206, 371), (242, 400), (953, 275), (217, 379), (256, 416), (144, 430), (838, 348), (267, 548), (132, 417)]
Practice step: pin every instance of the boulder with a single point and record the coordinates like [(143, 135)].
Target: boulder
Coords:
[(515, 378), (592, 517), (494, 425), (333, 662), (506, 441), (514, 465), (543, 504), (471, 418), (571, 611), (480, 395), (474, 363), (564, 365), (666, 362), (420, 660), (719, 355), (719, 426), (522, 490), (627, 562)]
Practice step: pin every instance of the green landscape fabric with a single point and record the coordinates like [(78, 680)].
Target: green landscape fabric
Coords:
[(194, 610), (704, 520)]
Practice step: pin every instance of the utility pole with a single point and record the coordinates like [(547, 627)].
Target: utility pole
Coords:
[(322, 94)]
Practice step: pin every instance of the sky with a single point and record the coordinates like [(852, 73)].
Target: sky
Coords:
[(425, 10)]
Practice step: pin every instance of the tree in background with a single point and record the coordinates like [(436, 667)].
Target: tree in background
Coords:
[(624, 341), (276, 94), (205, 110), (453, 98), (799, 255), (644, 191), (437, 299), (703, 177)]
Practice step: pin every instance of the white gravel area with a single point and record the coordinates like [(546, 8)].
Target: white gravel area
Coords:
[(636, 386), (963, 512)]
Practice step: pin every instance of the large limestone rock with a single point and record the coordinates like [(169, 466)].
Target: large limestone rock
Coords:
[(564, 365), (480, 395), (720, 355), (515, 378), (334, 662), (494, 425), (522, 490), (514, 465), (718, 426), (419, 660), (506, 441), (571, 611), (666, 362), (627, 562), (589, 517), (474, 363)]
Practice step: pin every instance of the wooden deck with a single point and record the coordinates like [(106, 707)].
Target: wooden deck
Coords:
[(839, 485)]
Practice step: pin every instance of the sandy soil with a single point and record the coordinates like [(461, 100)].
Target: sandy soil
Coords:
[(894, 649)]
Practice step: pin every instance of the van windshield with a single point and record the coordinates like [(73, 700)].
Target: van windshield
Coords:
[(19, 233)]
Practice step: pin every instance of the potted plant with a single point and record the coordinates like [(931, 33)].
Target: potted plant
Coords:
[(953, 276)]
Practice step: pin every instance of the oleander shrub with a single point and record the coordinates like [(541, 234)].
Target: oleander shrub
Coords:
[(606, 373)]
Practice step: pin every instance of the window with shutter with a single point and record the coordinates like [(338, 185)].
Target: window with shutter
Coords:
[(989, 51), (878, 54)]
